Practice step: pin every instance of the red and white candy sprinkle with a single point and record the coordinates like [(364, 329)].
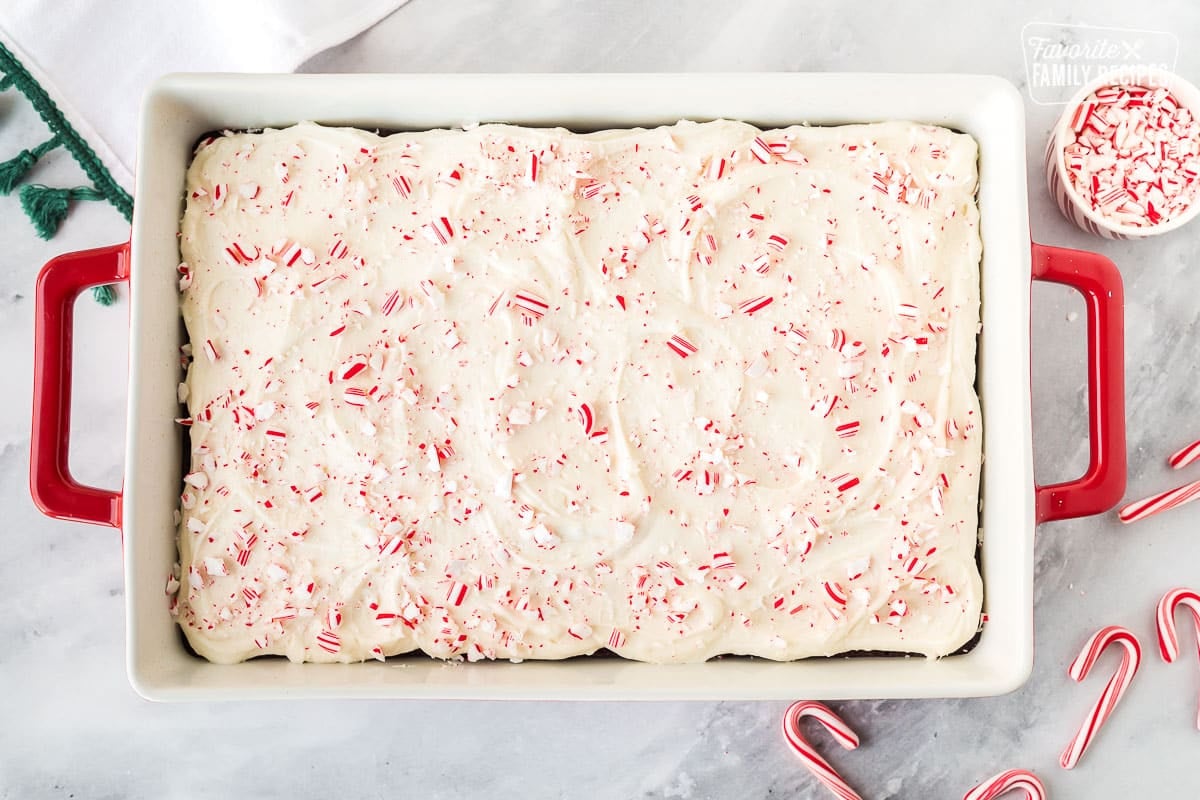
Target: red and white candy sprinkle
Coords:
[(329, 641), (1133, 154), (760, 150), (530, 304), (456, 593), (754, 304), (439, 231), (681, 346), (836, 593)]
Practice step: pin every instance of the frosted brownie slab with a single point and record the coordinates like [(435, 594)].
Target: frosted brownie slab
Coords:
[(516, 393)]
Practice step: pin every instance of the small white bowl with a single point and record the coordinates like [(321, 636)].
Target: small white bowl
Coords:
[(1072, 205)]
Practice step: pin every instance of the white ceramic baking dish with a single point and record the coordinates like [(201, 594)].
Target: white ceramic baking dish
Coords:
[(180, 108)]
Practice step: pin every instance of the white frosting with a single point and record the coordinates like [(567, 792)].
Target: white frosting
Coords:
[(438, 404)]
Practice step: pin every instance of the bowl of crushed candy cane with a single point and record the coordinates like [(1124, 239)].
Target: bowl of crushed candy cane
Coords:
[(1124, 159)]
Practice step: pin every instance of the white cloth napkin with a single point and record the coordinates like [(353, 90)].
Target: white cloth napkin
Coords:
[(96, 57)]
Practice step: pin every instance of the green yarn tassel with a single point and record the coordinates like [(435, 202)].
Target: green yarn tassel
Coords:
[(46, 207), (15, 169), (104, 295)]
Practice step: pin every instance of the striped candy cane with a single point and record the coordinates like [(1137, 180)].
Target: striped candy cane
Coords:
[(1168, 636), (817, 765), (1131, 659), (1013, 779), (1181, 458), (1164, 501)]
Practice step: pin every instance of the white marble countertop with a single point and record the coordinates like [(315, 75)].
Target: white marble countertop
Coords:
[(70, 726)]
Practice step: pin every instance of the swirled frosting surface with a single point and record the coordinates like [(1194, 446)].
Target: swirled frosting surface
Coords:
[(518, 393)]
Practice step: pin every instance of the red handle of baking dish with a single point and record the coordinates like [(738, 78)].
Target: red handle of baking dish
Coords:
[(1097, 279), (54, 491)]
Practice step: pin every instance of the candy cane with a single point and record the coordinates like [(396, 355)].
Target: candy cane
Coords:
[(1168, 636), (1184, 456), (1158, 503), (1005, 782), (1082, 665), (817, 765)]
